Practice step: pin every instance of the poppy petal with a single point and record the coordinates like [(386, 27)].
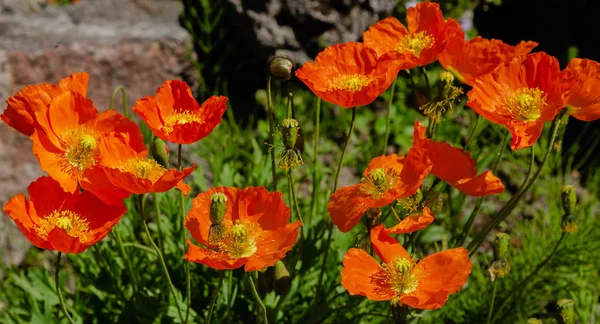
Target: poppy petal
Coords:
[(386, 247), (359, 268), (413, 223)]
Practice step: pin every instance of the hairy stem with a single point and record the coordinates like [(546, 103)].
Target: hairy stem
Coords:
[(59, 292)]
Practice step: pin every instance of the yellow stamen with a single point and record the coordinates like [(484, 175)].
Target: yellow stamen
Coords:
[(144, 168), (180, 117), (80, 150), (72, 223), (378, 182), (399, 276), (350, 82), (525, 104), (237, 240), (415, 43)]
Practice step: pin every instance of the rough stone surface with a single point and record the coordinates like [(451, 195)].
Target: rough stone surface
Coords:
[(138, 44)]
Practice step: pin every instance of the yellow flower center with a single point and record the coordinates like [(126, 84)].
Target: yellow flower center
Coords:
[(415, 43), (378, 182), (180, 117), (72, 223), (350, 82), (144, 168), (237, 240), (80, 150), (525, 104), (398, 276)]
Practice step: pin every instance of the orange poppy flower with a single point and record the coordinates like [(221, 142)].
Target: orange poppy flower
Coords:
[(350, 75), (412, 223), (425, 284), (456, 167), (584, 103), (57, 220), (522, 96), (254, 231), (175, 116), (70, 133), (468, 60), (421, 43), (22, 107), (124, 171), (385, 179)]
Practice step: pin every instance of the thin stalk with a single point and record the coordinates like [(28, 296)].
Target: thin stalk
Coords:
[(59, 292), (430, 128), (258, 299), (489, 318), (526, 280), (271, 133), (160, 258), (427, 82), (114, 95), (395, 213), (512, 203), (389, 117), (213, 298), (335, 185), (315, 169), (125, 257), (293, 197), (472, 133), (161, 239), (186, 266), (141, 247), (229, 295)]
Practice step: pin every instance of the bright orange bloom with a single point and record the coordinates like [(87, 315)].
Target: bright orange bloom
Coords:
[(254, 232), (421, 43), (412, 223), (57, 220), (124, 171), (522, 96), (425, 284), (385, 179), (175, 116), (350, 75), (584, 103), (70, 133), (468, 60), (456, 167), (22, 107)]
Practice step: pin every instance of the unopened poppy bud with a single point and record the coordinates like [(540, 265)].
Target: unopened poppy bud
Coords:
[(569, 224), (499, 269), (282, 278), (280, 67), (501, 245), (534, 321), (261, 97), (218, 205), (566, 310), (289, 132), (160, 152), (569, 199)]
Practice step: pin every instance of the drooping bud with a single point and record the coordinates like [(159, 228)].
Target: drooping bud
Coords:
[(282, 278), (534, 321), (218, 205), (569, 199), (160, 152), (289, 132), (280, 67), (501, 246), (566, 310), (569, 224)]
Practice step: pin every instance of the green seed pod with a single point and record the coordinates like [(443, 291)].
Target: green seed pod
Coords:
[(160, 152), (289, 132), (501, 245), (534, 321), (280, 67), (569, 199), (566, 310), (282, 278), (569, 224), (218, 205)]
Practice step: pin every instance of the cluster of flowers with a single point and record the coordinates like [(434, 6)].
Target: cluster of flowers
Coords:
[(511, 87)]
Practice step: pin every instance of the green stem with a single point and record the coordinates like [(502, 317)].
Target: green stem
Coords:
[(114, 95), (489, 318), (315, 175), (125, 257), (395, 213), (258, 299), (429, 94), (141, 247), (186, 266), (472, 133), (526, 280), (430, 128), (160, 258), (293, 197), (389, 117), (229, 295), (213, 298), (59, 292), (271, 133), (512, 203), (161, 239), (335, 185)]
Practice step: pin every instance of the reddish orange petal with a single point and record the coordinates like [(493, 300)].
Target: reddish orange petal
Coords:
[(77, 82), (359, 268), (209, 258), (273, 246), (110, 121), (386, 247), (96, 181), (584, 103), (46, 154), (413, 223), (347, 207), (266, 208), (416, 163), (22, 107), (384, 35), (147, 109)]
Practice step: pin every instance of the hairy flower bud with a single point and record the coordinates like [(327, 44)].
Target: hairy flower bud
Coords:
[(569, 224), (566, 310), (160, 152), (280, 67), (218, 205), (569, 199), (282, 278), (289, 132), (501, 245)]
